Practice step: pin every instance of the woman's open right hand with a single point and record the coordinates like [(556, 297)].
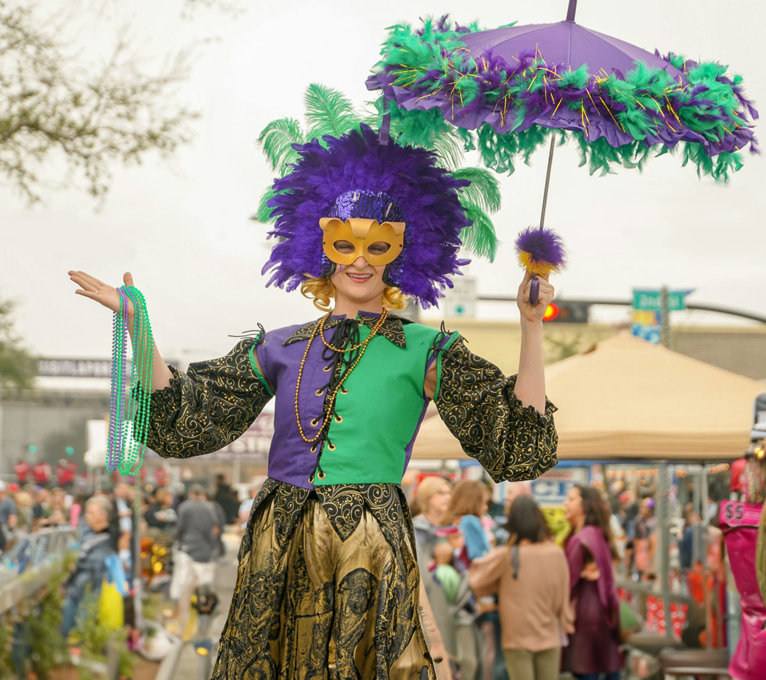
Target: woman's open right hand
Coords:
[(91, 287)]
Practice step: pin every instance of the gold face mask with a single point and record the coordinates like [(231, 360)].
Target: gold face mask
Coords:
[(361, 234)]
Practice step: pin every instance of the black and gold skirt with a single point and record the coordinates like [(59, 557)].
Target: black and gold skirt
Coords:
[(328, 587)]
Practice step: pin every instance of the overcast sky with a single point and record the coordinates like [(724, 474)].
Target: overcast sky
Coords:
[(182, 227)]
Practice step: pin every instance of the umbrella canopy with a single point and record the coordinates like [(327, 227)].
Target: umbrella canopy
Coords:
[(627, 398), (515, 84)]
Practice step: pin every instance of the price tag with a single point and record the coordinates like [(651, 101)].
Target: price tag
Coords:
[(737, 514)]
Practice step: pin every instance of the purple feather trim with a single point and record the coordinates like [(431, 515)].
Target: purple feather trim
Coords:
[(426, 194), (543, 245)]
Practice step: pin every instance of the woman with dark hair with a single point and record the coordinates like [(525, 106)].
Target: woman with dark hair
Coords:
[(594, 648), (531, 578)]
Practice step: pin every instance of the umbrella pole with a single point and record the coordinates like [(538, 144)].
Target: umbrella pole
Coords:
[(571, 10), (547, 179)]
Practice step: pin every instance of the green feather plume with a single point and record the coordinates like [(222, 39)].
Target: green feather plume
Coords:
[(263, 214), (484, 190), (480, 237), (328, 112), (277, 141)]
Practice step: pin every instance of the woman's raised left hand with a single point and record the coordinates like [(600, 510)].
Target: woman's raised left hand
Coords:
[(529, 313)]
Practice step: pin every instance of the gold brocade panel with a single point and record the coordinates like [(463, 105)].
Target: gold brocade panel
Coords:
[(327, 588)]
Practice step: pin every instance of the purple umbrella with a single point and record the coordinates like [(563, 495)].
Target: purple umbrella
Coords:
[(511, 88)]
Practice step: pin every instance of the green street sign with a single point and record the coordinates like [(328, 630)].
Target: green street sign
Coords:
[(652, 300)]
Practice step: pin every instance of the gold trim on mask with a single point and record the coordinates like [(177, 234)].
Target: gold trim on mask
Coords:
[(361, 233)]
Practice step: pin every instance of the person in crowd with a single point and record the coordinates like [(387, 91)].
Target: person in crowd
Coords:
[(23, 470), (467, 506), (594, 647), (198, 526), (161, 514), (645, 540), (487, 520), (41, 508), (245, 506), (24, 505), (8, 518), (530, 576), (686, 544), (226, 497), (123, 498), (432, 497), (76, 511), (444, 570), (91, 568), (58, 514), (41, 474)]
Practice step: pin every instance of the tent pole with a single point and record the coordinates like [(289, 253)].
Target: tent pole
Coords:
[(663, 543), (547, 179)]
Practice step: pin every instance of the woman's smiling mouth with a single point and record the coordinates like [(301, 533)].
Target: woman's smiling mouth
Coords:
[(359, 278)]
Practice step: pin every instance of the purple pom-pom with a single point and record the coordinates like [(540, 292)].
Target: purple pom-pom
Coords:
[(541, 250)]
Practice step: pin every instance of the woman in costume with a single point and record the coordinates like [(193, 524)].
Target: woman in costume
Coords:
[(328, 584), (594, 648)]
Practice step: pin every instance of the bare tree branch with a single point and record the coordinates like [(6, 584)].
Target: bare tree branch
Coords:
[(54, 107)]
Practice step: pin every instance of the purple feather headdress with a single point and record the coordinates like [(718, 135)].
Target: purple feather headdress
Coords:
[(356, 176)]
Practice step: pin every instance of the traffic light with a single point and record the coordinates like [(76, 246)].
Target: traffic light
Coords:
[(69, 450), (567, 312), (32, 448)]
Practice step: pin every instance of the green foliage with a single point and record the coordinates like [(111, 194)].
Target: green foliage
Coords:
[(47, 648), (6, 642), (17, 367)]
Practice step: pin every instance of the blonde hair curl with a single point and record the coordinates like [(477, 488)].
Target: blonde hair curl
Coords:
[(322, 290)]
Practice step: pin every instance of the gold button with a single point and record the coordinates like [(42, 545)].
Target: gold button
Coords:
[(319, 393), (315, 422), (331, 447), (321, 475)]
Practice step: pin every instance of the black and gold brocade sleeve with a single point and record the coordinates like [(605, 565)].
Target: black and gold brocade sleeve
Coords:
[(207, 407), (477, 403)]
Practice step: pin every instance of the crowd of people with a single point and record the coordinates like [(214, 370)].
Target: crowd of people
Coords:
[(188, 523), (509, 600)]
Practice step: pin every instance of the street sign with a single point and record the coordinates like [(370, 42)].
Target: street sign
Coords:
[(651, 300)]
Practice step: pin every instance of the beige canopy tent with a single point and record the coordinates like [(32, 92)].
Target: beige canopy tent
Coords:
[(628, 399)]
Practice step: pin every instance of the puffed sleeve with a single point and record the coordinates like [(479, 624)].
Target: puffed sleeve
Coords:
[(477, 403), (209, 406)]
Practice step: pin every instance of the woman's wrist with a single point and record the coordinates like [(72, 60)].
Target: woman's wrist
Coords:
[(531, 327)]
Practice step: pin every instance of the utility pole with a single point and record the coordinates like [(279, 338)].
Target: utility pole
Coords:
[(665, 337)]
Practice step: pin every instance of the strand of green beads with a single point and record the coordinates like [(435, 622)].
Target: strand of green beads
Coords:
[(129, 421), (143, 355), (116, 412), (146, 380)]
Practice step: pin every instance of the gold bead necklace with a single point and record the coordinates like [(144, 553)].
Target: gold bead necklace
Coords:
[(362, 345)]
